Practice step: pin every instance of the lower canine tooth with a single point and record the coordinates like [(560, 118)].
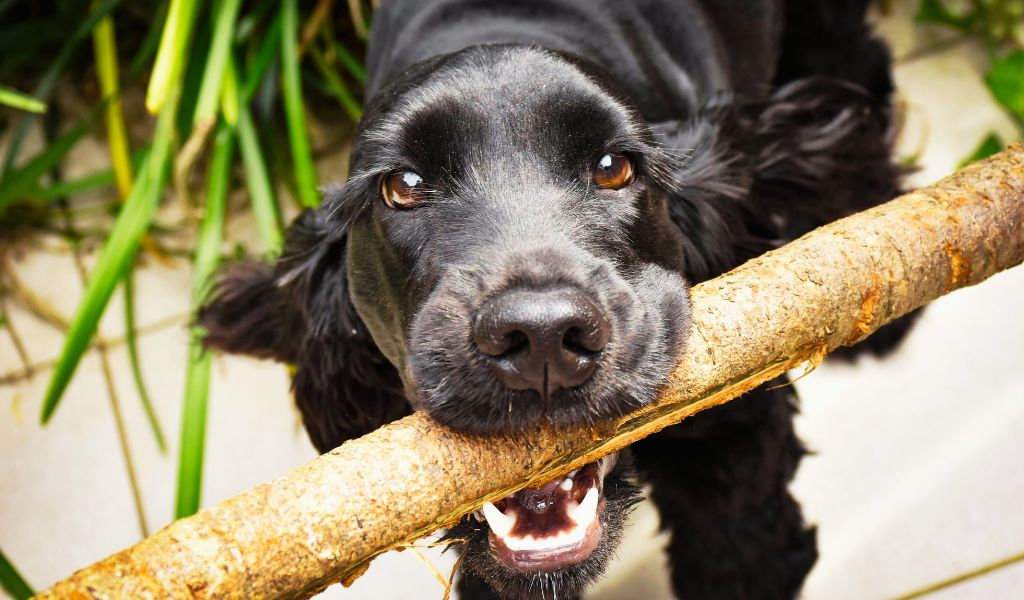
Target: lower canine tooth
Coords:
[(500, 523), (584, 513)]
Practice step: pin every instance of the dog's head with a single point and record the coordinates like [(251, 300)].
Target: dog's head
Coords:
[(511, 253), (508, 245), (505, 240)]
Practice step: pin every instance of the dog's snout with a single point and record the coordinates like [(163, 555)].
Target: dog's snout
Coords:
[(542, 340)]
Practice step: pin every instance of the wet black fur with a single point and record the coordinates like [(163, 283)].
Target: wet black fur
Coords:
[(372, 305)]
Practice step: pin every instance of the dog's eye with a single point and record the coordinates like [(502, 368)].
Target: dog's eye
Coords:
[(614, 171), (403, 189)]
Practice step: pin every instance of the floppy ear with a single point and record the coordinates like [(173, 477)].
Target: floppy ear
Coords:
[(767, 171), (299, 311), (248, 313), (762, 172)]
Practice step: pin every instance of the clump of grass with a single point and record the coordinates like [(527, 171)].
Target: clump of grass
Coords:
[(224, 81)]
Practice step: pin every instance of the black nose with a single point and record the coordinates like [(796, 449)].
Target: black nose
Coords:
[(541, 340)]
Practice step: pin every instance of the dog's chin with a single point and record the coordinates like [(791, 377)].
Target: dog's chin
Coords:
[(552, 541)]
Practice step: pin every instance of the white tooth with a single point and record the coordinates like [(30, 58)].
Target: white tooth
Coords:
[(573, 473), (584, 513), (566, 484), (565, 538), (479, 516), (500, 523)]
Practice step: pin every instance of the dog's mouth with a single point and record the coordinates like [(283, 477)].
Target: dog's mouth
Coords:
[(552, 527)]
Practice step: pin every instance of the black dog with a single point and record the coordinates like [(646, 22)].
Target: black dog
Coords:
[(532, 187)]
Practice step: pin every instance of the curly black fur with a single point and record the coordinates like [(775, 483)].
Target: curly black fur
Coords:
[(747, 131)]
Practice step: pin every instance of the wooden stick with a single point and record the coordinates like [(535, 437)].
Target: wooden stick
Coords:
[(325, 521)]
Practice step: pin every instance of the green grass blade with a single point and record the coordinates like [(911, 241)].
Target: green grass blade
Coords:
[(261, 191), (116, 255), (132, 343), (49, 80), (1006, 82), (98, 179), (295, 116), (170, 58), (15, 99), (267, 52), (250, 19), (105, 49), (21, 182), (65, 189), (988, 146), (336, 86), (229, 98), (197, 374), (105, 45), (12, 582), (350, 62), (225, 15), (193, 431), (208, 244)]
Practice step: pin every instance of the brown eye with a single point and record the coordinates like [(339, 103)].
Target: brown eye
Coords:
[(403, 189), (613, 171)]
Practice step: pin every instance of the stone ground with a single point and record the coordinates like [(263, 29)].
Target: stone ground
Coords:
[(916, 475)]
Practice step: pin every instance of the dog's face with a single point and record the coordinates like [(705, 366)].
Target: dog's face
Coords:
[(510, 252)]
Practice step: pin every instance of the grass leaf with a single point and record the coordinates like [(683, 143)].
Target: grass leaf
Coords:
[(105, 49), (21, 182), (229, 98), (15, 99), (295, 116), (934, 11), (350, 62), (12, 581), (261, 190), (1006, 82), (225, 15), (197, 373), (105, 45), (337, 87), (991, 144), (116, 255), (170, 58), (97, 179), (49, 79), (264, 57), (132, 343)]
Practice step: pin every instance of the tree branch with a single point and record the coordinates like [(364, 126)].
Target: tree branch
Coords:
[(325, 521)]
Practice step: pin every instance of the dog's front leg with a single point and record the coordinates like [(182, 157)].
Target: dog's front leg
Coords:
[(719, 481)]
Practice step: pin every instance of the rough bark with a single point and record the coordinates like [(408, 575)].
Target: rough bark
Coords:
[(325, 521)]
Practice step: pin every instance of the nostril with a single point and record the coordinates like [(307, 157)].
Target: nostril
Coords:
[(497, 339), (573, 342), (517, 341)]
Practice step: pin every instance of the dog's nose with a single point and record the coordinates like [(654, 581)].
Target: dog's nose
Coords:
[(541, 340)]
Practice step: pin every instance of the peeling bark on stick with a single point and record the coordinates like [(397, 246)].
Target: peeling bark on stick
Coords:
[(325, 521)]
